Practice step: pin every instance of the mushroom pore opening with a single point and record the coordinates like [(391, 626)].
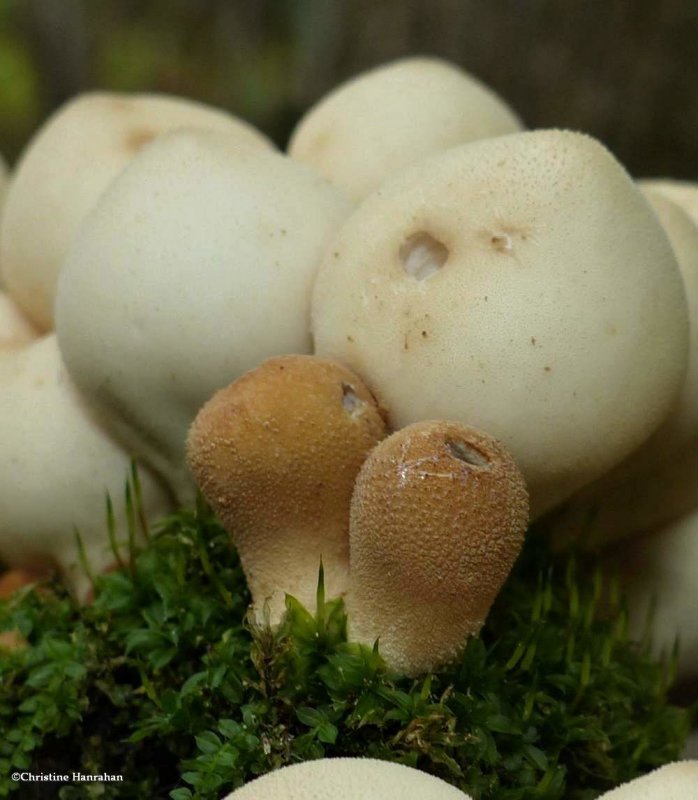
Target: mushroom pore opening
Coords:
[(422, 255), (467, 453), (350, 400)]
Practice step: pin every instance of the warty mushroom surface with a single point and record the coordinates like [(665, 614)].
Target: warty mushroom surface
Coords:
[(67, 165), (389, 117), (347, 779), (438, 517), (196, 265), (520, 285), (276, 453)]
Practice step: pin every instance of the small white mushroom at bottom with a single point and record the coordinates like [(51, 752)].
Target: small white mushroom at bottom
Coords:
[(347, 779), (56, 466), (438, 517), (677, 781)]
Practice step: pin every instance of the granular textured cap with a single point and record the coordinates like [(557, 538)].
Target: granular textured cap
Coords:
[(438, 518), (276, 454), (677, 781), (348, 779)]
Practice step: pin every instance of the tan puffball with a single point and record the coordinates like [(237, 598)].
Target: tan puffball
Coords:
[(347, 779), (392, 116), (67, 166), (276, 454), (438, 518), (521, 285), (677, 781), (15, 328)]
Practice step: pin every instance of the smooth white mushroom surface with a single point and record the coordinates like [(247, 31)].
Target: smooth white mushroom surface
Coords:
[(521, 285), (683, 193), (195, 266), (15, 328), (677, 781), (659, 481), (347, 779), (387, 118), (658, 571), (56, 466), (66, 167)]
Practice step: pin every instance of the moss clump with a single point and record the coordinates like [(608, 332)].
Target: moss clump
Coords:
[(164, 681)]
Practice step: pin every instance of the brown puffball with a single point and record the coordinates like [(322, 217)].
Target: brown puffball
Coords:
[(276, 454), (438, 518)]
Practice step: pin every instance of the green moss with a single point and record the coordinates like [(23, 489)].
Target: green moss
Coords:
[(164, 681)]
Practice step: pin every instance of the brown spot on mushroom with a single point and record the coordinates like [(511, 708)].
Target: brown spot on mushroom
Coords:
[(276, 454), (442, 509), (137, 139)]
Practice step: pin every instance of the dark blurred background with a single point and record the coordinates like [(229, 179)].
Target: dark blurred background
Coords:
[(625, 71)]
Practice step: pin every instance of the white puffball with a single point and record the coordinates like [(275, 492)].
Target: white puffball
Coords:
[(15, 328), (521, 285), (56, 466), (195, 266), (387, 118), (677, 781), (65, 168), (347, 779), (683, 193)]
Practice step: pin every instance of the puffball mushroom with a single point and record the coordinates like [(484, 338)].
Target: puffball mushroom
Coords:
[(677, 781), (195, 266), (683, 193), (276, 453), (3, 181), (56, 464), (347, 779), (15, 328), (659, 481), (390, 117), (658, 572), (521, 285), (67, 166), (438, 518)]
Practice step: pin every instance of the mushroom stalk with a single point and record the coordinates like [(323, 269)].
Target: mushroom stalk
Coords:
[(276, 455), (438, 518)]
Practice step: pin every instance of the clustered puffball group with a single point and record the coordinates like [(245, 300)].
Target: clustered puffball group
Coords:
[(321, 338)]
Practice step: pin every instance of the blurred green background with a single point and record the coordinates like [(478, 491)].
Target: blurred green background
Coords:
[(625, 71)]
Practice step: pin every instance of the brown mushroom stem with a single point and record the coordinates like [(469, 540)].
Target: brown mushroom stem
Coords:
[(438, 518), (276, 454)]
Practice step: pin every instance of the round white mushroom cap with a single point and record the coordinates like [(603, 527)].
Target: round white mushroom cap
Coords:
[(683, 193), (15, 328), (520, 285), (56, 466), (347, 779), (659, 575), (67, 166), (195, 266), (392, 116), (677, 781), (659, 481)]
